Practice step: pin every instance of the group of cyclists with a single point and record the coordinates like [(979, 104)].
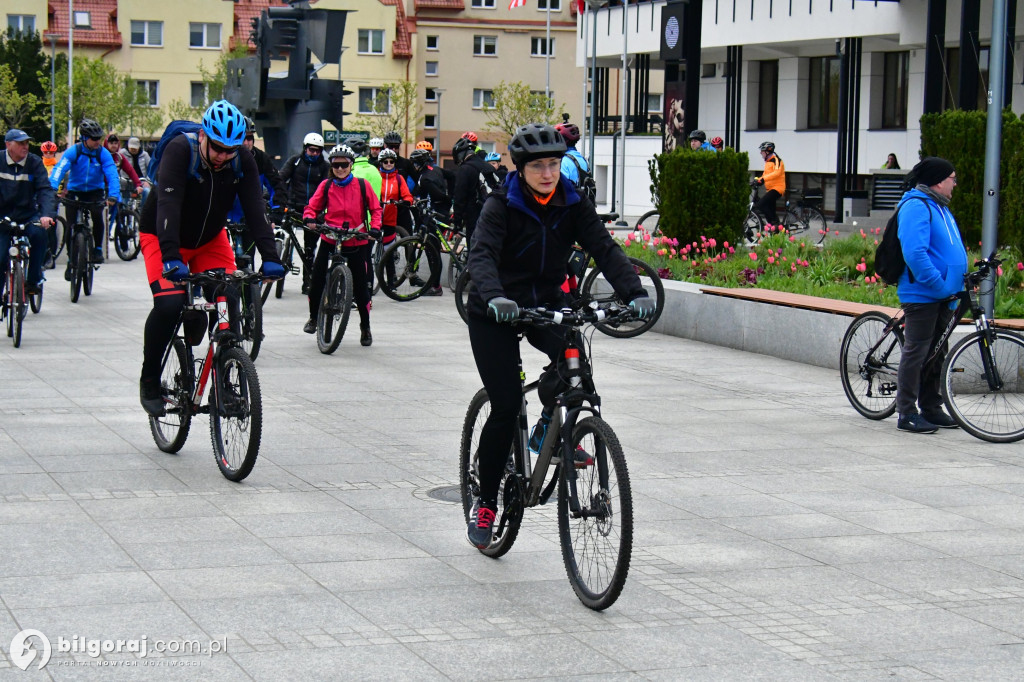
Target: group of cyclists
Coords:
[(521, 225)]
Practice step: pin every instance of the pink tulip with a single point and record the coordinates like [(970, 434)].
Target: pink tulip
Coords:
[(662, 252), (999, 270), (732, 250), (783, 258), (792, 238), (725, 245), (753, 256), (771, 260), (1020, 266), (792, 268), (861, 267)]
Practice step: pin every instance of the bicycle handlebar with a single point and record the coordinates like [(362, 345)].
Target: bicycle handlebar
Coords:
[(340, 233), (87, 205), (985, 267), (568, 317), (222, 277), (17, 228)]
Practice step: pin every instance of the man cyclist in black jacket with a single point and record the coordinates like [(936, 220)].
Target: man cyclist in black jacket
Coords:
[(518, 257), (182, 227), (302, 174), (474, 180)]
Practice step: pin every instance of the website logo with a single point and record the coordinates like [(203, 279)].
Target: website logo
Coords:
[(24, 649)]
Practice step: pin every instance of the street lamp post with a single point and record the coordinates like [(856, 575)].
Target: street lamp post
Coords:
[(437, 150), (71, 69), (52, 38)]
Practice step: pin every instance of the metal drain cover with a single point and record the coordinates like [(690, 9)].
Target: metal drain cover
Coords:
[(446, 493)]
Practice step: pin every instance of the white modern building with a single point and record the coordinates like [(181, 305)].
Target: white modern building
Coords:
[(802, 73)]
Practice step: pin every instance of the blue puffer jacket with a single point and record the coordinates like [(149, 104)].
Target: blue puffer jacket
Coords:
[(90, 171), (932, 248)]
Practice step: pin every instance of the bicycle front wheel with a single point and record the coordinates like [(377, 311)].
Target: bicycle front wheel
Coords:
[(753, 226), (88, 269), (335, 307), (510, 500), (377, 255), (252, 320), (288, 261), (984, 385), (413, 261), (19, 308), (463, 288), (649, 223), (126, 234), (35, 301), (458, 256), (597, 288), (236, 414), (597, 539), (170, 430), (869, 359), (816, 225), (78, 259)]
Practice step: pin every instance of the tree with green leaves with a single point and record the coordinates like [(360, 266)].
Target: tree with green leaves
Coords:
[(395, 107), (17, 109), (515, 104), (25, 88)]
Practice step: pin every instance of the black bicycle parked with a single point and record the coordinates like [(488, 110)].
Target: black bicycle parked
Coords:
[(595, 503)]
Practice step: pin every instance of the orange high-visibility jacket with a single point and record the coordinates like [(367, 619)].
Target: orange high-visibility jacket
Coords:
[(774, 176)]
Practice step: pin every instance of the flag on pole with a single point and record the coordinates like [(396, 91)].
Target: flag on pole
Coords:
[(512, 4)]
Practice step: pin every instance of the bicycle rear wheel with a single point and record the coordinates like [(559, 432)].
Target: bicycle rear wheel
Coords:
[(126, 234), (650, 223), (170, 430), (377, 254), (335, 307), (251, 320), (288, 261), (236, 414), (816, 225), (995, 415), (753, 226), (869, 362), (463, 288), (596, 288), (510, 501), (597, 541), (458, 256), (78, 259), (88, 269), (35, 301), (18, 308), (412, 258)]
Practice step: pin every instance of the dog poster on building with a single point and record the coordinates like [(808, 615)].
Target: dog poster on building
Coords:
[(675, 91), (674, 117)]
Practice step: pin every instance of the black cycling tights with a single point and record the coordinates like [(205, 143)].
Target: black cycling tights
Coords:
[(496, 351), (358, 259)]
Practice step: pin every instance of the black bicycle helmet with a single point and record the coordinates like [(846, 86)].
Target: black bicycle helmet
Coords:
[(462, 149), (90, 128), (767, 146), (535, 141), (250, 127), (420, 157), (357, 145), (392, 137), (698, 135)]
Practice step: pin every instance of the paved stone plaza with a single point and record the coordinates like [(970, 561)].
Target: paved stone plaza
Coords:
[(780, 536)]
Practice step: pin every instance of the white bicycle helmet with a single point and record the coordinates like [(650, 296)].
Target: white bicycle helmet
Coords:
[(313, 140), (376, 143), (341, 150)]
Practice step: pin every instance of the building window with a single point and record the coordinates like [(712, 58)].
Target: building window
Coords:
[(430, 121), (374, 101), (148, 33), (82, 20), (485, 46), (430, 95), (198, 94), (430, 68), (371, 41), (149, 92), (540, 47), (953, 78), (21, 23), (204, 35), (654, 105), (483, 98), (895, 73), (768, 94), (823, 100), (707, 70), (482, 4), (556, 5), (431, 42), (486, 145)]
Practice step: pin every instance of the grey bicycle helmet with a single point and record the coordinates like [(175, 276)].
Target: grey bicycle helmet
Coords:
[(357, 145), (767, 146), (392, 138), (420, 157), (535, 141), (698, 135), (90, 128)]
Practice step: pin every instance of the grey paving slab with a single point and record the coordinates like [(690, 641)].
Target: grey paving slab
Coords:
[(778, 534)]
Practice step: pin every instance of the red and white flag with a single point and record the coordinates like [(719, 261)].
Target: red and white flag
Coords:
[(512, 4)]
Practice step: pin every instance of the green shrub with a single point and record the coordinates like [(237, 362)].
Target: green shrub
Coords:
[(701, 193)]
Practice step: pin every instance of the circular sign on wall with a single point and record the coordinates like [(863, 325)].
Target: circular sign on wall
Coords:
[(672, 32)]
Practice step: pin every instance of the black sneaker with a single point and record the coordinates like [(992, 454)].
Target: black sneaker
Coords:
[(416, 281), (940, 419), (310, 326), (915, 423), (365, 337), (150, 397), (34, 289), (481, 523), (67, 273), (97, 255), (433, 291), (49, 263)]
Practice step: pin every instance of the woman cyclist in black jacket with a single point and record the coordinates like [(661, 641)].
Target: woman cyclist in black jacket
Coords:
[(518, 257)]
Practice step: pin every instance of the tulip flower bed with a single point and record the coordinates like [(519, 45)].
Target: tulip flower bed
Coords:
[(782, 262)]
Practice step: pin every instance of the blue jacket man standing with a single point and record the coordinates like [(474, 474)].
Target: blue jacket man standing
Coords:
[(25, 197)]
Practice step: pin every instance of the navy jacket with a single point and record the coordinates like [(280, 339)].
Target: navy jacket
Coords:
[(25, 192)]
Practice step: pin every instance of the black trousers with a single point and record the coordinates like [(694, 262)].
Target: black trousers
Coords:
[(496, 352), (358, 259), (916, 382), (766, 205), (98, 227)]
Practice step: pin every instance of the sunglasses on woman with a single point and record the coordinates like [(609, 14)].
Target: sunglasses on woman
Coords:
[(390, 162), (341, 164)]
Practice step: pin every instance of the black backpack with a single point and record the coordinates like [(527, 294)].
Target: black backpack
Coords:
[(585, 184), (889, 262)]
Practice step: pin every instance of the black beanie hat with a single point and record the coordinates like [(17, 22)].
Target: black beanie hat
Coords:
[(931, 170)]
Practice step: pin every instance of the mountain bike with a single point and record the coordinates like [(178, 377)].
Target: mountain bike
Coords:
[(81, 246), (336, 300), (399, 269), (982, 375), (126, 225), (380, 247), (284, 239), (804, 215), (251, 300), (594, 289), (234, 402), (16, 300), (595, 504)]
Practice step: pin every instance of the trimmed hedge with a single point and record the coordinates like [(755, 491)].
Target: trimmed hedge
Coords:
[(959, 136), (701, 193)]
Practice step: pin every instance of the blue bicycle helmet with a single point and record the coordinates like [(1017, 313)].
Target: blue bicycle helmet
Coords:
[(224, 124), (493, 156)]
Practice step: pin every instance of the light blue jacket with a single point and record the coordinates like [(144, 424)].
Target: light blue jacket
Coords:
[(569, 168), (89, 171), (932, 248)]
